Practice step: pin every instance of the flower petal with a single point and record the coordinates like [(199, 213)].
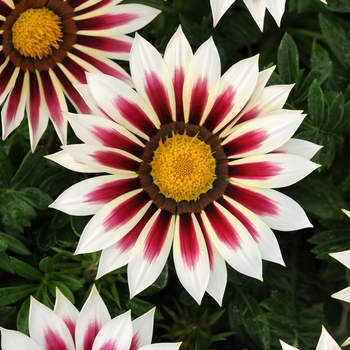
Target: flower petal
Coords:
[(218, 8), (13, 340), (286, 346), (298, 147), (276, 8), (93, 316), (191, 256), (151, 251), (343, 257), (326, 342), (142, 330), (161, 346), (344, 295), (257, 10)]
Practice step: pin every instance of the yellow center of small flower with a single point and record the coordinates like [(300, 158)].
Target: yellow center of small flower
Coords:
[(183, 167), (36, 32)]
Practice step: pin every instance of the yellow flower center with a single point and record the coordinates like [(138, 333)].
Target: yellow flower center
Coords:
[(36, 32), (183, 167)]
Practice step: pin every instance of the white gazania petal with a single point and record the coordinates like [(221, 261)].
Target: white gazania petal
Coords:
[(326, 342), (298, 147), (257, 10), (66, 160), (201, 82), (151, 251), (191, 256), (344, 295), (262, 135), (346, 212), (93, 316), (115, 334), (161, 346), (270, 170), (218, 9), (66, 311), (123, 104), (88, 196), (343, 257), (261, 233), (276, 8), (232, 240), (152, 79), (13, 340), (113, 222), (46, 327), (347, 341), (286, 346), (10, 82), (142, 328), (325, 2)]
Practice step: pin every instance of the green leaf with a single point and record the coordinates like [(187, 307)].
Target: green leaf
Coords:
[(316, 104), (10, 295), (33, 164), (22, 317), (5, 169), (72, 283), (337, 39), (338, 5), (14, 244), (46, 264), (288, 60), (5, 263), (335, 113), (25, 270), (35, 197)]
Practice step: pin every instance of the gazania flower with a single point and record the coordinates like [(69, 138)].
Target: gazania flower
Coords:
[(257, 9), (91, 328), (46, 45), (191, 159), (326, 342)]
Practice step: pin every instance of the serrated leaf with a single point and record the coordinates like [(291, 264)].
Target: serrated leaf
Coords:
[(14, 244), (316, 104), (288, 60), (25, 270), (5, 169), (10, 295)]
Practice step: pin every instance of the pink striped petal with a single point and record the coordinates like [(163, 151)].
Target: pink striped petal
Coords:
[(66, 311), (115, 335), (236, 86), (93, 316), (270, 170), (89, 196), (232, 240), (262, 135), (123, 104), (113, 221), (118, 254), (191, 256), (142, 330), (100, 131), (8, 77), (105, 159), (201, 83), (47, 329), (82, 6), (298, 147), (277, 210), (13, 340), (151, 251), (152, 79)]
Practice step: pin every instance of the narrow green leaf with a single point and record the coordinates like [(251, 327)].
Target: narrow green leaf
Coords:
[(5, 263), (10, 295), (35, 197), (335, 113), (25, 270), (46, 264), (14, 244), (316, 104), (5, 169), (338, 6), (22, 317)]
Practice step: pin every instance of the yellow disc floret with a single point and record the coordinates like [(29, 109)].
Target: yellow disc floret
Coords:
[(37, 32), (183, 167)]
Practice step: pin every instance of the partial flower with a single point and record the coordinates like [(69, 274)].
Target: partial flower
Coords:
[(191, 159), (326, 342), (48, 45), (257, 9), (91, 328)]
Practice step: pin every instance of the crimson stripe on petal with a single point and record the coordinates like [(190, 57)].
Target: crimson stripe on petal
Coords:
[(113, 138), (96, 6), (135, 342), (207, 241), (157, 235), (5, 9), (125, 211), (115, 160), (53, 341), (129, 240), (254, 171), (222, 227), (106, 21), (6, 75), (14, 98), (70, 325), (34, 101), (103, 43), (178, 82), (253, 113), (221, 108), (188, 240), (199, 98), (134, 114), (71, 91), (111, 190), (90, 335), (254, 201), (75, 69), (109, 345), (2, 56), (241, 217), (158, 97), (247, 142)]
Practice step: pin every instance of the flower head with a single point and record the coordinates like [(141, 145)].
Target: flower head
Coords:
[(65, 328), (257, 9), (191, 158), (46, 46)]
